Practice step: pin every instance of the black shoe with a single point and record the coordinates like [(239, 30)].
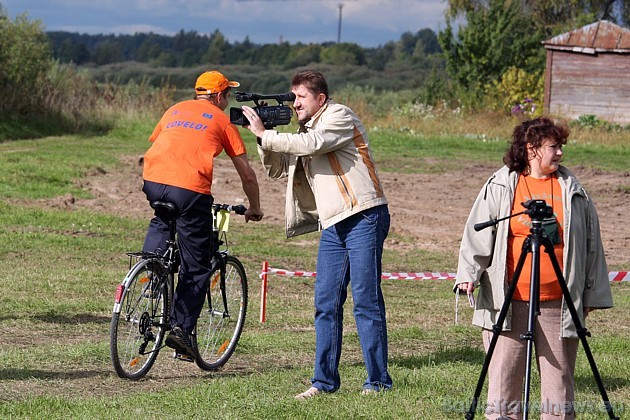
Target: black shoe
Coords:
[(180, 341)]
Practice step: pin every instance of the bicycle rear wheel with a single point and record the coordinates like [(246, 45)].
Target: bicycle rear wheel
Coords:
[(219, 328), (138, 320)]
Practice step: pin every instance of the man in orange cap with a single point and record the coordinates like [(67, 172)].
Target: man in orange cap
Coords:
[(178, 168)]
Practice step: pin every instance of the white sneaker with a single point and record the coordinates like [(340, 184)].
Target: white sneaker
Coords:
[(369, 391), (309, 393)]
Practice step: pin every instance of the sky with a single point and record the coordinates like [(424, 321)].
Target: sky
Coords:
[(368, 23)]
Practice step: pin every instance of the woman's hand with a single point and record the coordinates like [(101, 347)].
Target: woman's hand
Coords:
[(467, 287)]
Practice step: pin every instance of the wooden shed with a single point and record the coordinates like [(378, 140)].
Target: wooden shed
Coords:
[(588, 73)]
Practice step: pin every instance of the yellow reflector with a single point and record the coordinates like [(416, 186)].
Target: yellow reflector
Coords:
[(134, 362)]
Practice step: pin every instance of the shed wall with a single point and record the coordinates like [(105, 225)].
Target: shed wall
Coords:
[(597, 84)]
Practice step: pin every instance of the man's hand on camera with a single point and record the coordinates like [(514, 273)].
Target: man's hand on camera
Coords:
[(255, 124), (253, 215)]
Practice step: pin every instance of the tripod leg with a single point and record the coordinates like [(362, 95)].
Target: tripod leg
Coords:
[(581, 331), (534, 303), (496, 330)]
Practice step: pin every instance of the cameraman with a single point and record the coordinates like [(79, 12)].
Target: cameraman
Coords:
[(333, 186), (178, 168)]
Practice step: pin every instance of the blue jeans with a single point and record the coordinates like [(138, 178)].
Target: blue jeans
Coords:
[(350, 252)]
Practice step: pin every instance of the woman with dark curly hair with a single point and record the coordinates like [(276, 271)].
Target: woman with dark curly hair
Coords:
[(487, 261)]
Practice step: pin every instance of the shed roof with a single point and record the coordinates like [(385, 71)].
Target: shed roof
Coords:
[(601, 36)]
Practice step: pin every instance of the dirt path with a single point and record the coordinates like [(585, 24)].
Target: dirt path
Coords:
[(432, 208)]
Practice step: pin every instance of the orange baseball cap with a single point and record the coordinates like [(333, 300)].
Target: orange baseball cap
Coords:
[(213, 82)]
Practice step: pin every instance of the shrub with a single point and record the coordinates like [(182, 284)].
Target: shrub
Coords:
[(518, 92), (590, 122), (24, 61)]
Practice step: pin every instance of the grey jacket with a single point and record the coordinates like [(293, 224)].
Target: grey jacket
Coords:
[(330, 168), (483, 255)]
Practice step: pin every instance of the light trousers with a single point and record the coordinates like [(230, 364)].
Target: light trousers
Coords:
[(555, 358)]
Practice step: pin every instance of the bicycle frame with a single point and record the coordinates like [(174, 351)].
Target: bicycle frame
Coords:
[(145, 297)]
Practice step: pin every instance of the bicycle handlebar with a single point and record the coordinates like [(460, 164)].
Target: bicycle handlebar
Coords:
[(238, 209)]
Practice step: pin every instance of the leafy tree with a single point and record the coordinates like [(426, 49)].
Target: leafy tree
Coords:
[(271, 54), (217, 50), (148, 50), (24, 61), (343, 54), (377, 58), (165, 59), (241, 52), (70, 52), (494, 39), (189, 47), (414, 48), (555, 16), (429, 41), (108, 52), (518, 92), (302, 55), (407, 43)]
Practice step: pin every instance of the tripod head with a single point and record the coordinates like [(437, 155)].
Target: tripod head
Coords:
[(537, 210)]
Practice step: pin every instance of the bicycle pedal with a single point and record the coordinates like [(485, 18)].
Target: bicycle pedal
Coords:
[(183, 357)]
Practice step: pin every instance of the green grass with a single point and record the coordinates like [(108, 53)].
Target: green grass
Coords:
[(60, 269), (48, 167)]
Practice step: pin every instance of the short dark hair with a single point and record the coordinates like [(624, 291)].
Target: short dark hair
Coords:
[(313, 80), (533, 132)]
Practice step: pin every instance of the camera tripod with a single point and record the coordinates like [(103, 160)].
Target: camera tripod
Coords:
[(538, 210)]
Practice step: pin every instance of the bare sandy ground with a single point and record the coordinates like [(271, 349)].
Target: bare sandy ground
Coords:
[(430, 208)]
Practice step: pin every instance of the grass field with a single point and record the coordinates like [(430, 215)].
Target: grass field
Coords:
[(60, 269)]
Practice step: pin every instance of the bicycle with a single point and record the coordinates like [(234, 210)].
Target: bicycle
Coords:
[(140, 317)]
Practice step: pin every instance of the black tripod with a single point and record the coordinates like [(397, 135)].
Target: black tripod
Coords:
[(538, 210)]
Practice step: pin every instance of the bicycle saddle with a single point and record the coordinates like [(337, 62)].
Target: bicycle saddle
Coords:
[(165, 206)]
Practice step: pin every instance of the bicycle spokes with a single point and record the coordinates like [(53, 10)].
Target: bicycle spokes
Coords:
[(139, 320)]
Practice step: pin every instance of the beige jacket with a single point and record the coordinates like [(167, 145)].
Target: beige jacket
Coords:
[(483, 254), (331, 171)]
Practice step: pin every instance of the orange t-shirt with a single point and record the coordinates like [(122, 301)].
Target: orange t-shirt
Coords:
[(537, 189), (185, 142)]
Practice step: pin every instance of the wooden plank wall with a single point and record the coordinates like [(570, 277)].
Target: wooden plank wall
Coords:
[(581, 84)]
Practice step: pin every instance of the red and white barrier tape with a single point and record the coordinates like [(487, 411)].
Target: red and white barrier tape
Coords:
[(418, 276), (613, 276), (384, 276), (619, 276), (288, 273)]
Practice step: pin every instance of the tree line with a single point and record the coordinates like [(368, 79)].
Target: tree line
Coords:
[(190, 48)]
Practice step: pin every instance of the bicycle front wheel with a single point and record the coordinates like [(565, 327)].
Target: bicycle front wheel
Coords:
[(138, 320), (219, 326)]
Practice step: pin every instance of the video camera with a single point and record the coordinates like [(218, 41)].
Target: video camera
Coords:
[(271, 115)]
